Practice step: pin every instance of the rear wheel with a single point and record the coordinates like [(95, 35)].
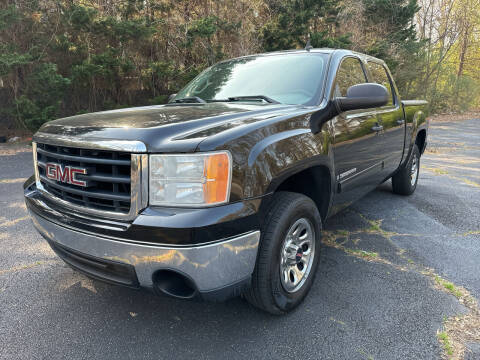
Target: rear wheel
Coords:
[(288, 254), (404, 182)]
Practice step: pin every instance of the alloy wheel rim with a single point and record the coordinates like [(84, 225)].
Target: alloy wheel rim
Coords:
[(414, 170), (297, 254)]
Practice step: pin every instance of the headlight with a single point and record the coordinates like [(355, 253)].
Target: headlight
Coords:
[(190, 179)]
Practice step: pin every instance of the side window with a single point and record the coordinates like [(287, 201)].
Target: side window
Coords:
[(350, 73), (380, 76)]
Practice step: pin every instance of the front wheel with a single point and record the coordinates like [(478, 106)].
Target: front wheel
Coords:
[(404, 182), (288, 255)]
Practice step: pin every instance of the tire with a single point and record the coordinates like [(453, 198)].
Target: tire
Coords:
[(273, 287), (404, 182)]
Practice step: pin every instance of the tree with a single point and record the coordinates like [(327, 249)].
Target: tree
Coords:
[(96, 55), (295, 21)]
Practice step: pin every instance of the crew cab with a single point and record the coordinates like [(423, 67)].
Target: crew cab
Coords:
[(224, 190)]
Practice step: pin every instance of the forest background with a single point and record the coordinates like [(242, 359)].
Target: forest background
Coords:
[(66, 57)]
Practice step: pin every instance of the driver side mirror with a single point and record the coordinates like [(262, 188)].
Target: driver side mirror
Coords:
[(363, 96), (360, 96), (170, 98)]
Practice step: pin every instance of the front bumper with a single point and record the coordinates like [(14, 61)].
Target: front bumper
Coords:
[(216, 270)]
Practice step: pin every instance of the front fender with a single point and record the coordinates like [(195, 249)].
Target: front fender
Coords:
[(267, 151), (283, 155)]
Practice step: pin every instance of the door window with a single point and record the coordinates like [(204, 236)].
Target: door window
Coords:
[(350, 73), (380, 76)]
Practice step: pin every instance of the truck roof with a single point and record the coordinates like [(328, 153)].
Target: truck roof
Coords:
[(329, 51)]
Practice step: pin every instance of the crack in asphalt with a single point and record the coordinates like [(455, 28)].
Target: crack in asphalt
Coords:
[(12, 181), (8, 223), (22, 267), (445, 173)]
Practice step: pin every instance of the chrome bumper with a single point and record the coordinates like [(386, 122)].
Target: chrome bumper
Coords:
[(211, 267)]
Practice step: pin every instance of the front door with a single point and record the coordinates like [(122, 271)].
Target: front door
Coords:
[(357, 142), (391, 118)]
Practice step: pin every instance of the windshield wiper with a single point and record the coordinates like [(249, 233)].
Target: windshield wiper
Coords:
[(191, 99), (254, 97), (248, 97)]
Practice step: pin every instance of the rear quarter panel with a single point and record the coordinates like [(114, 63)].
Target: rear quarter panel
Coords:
[(416, 112)]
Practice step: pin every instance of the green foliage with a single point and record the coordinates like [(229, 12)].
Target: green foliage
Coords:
[(9, 16), (59, 58), (33, 115), (397, 42), (123, 30), (455, 94), (322, 40), (295, 21), (80, 18), (10, 56), (11, 59), (163, 70), (108, 66), (396, 19), (158, 100), (204, 27), (290, 28), (43, 96)]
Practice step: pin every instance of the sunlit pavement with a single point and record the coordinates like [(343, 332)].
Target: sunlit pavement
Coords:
[(381, 289)]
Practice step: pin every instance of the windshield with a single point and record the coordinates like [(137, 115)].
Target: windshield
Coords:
[(289, 79)]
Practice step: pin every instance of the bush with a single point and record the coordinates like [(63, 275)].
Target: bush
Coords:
[(43, 96)]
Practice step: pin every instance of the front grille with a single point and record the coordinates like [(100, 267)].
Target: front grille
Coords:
[(108, 177)]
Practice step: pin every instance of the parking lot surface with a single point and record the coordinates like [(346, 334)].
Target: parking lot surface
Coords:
[(396, 275)]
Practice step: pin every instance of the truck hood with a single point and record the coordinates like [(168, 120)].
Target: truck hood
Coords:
[(163, 128)]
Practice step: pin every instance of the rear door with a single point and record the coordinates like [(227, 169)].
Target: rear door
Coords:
[(391, 117), (357, 142)]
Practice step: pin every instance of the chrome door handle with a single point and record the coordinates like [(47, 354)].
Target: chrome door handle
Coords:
[(377, 128)]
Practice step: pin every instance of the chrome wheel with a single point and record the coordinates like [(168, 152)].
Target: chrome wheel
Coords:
[(297, 253), (414, 170)]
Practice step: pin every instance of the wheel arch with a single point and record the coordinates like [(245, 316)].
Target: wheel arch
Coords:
[(304, 181), (421, 139)]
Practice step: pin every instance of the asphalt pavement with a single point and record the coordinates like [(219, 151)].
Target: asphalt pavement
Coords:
[(395, 274)]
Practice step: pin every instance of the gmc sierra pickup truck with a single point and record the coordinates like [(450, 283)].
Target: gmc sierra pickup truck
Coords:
[(223, 191)]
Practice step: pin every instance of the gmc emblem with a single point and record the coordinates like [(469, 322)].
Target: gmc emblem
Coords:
[(66, 175)]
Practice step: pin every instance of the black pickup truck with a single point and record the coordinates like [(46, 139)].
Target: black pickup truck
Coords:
[(223, 191)]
